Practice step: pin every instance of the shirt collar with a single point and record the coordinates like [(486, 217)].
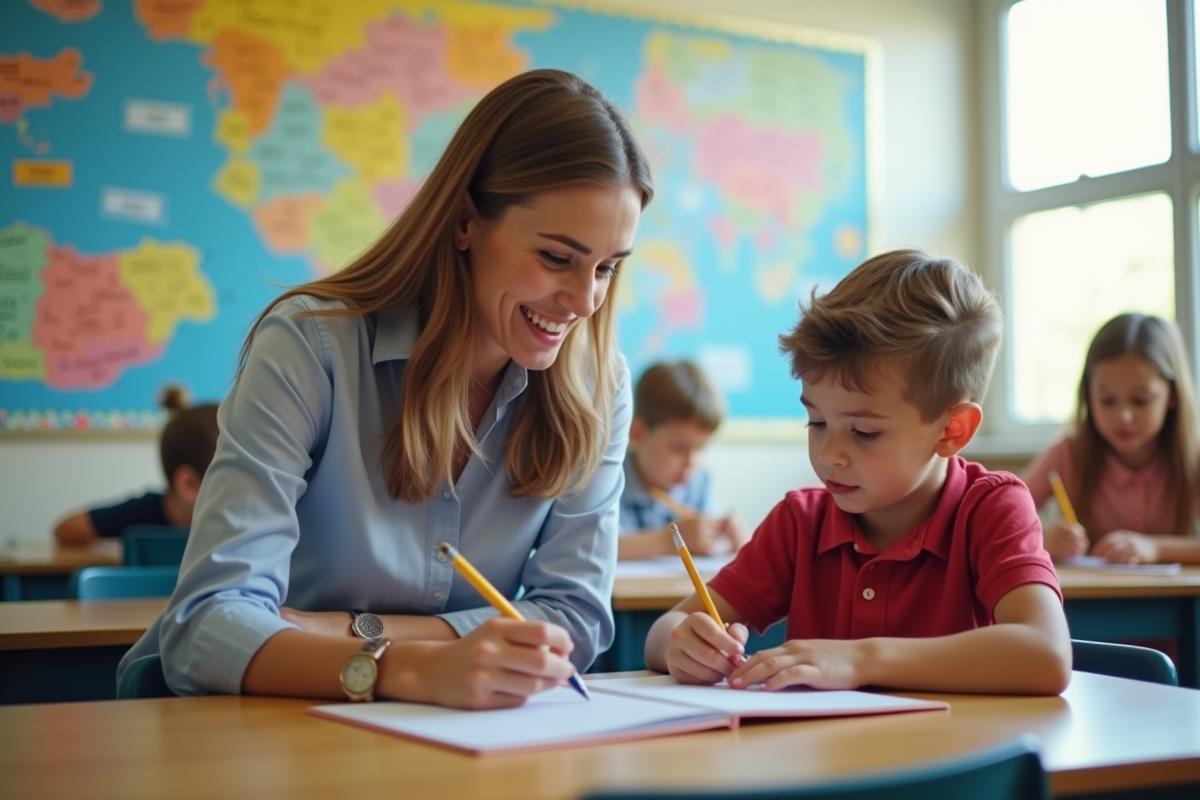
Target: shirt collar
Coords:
[(396, 334), (934, 534)]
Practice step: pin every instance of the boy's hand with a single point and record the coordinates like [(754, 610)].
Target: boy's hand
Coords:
[(702, 534), (732, 529), (819, 663), (1066, 540), (1126, 547), (701, 652)]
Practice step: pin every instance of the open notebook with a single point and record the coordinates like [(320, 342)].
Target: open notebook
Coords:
[(620, 709), (1097, 563)]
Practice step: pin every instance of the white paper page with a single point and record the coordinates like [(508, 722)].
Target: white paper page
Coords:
[(555, 718), (755, 702), (671, 566), (1098, 563)]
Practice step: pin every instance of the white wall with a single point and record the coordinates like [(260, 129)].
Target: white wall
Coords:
[(929, 199)]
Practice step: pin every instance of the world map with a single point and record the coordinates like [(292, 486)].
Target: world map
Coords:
[(177, 163)]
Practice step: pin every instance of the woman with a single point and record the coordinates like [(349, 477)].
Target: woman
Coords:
[(458, 382)]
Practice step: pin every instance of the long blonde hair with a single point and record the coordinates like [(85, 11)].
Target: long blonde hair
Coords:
[(1157, 342), (538, 131)]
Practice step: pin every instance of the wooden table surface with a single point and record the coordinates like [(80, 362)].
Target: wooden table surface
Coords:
[(661, 593), (1103, 733), (50, 558), (43, 624)]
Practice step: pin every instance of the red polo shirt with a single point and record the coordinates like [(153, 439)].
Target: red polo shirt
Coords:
[(809, 561)]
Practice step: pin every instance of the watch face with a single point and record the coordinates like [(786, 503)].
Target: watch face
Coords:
[(368, 626), (358, 676)]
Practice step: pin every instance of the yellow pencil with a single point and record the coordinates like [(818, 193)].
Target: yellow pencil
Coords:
[(690, 565), (1064, 502), (498, 601), (678, 508)]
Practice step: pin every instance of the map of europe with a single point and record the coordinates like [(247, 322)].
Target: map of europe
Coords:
[(177, 163)]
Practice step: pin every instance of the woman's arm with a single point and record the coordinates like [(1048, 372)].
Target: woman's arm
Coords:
[(568, 579)]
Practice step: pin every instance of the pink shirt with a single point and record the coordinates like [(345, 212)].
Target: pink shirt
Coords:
[(810, 562), (1136, 500)]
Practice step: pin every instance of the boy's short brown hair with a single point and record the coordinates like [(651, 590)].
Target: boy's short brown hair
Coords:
[(677, 391), (930, 318)]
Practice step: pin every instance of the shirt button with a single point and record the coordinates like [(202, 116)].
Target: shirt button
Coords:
[(856, 548), (438, 595), (441, 556), (868, 593), (445, 495)]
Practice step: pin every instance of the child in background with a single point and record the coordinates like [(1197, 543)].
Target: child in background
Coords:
[(186, 447), (911, 568), (675, 411), (1131, 467)]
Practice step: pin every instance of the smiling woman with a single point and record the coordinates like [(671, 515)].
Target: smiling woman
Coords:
[(458, 382)]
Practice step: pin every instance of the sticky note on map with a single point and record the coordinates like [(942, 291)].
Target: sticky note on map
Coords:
[(45, 174), (148, 208)]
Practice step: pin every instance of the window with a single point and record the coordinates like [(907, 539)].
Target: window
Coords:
[(1092, 183)]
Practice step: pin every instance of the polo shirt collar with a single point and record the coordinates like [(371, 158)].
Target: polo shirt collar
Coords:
[(396, 334), (934, 534)]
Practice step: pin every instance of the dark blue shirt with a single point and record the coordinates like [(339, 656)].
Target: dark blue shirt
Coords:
[(144, 510)]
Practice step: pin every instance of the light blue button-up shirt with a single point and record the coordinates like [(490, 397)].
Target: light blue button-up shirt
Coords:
[(294, 509)]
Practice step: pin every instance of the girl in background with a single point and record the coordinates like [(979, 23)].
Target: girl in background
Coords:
[(1131, 466), (186, 447)]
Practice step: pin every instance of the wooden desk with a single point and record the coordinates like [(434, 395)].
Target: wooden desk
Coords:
[(1104, 734), (41, 570), (62, 650), (1101, 606)]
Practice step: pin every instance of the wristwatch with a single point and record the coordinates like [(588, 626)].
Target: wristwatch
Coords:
[(366, 624), (360, 671)]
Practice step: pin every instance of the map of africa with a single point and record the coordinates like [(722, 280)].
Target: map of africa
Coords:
[(176, 163)]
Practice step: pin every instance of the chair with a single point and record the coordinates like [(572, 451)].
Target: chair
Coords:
[(143, 678), (1124, 661), (114, 583), (154, 545), (1011, 771)]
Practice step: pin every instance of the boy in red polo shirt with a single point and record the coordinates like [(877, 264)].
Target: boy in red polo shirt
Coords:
[(911, 568)]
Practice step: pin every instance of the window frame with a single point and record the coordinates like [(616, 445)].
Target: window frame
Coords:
[(1178, 178)]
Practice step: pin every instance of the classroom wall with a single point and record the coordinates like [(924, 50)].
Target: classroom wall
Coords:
[(928, 197)]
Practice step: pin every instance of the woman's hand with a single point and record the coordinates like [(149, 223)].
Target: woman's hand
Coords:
[(819, 663), (1127, 547), (1065, 540), (498, 665), (326, 623), (700, 652)]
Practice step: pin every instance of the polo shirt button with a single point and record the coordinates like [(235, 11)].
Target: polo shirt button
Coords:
[(445, 495), (868, 593), (856, 549)]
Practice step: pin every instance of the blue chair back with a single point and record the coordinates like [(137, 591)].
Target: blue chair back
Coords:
[(143, 678), (1124, 661), (154, 545), (1011, 771), (115, 583)]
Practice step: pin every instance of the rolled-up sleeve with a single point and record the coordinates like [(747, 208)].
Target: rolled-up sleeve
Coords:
[(568, 580), (234, 577)]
